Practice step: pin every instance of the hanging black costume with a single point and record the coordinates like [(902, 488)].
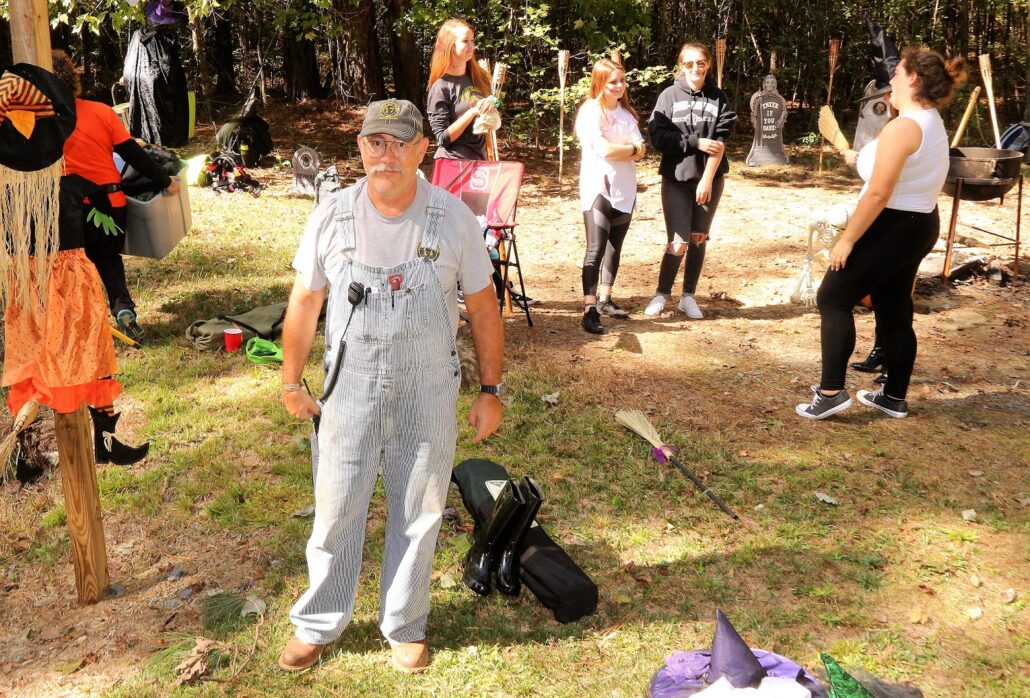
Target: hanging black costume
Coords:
[(156, 85)]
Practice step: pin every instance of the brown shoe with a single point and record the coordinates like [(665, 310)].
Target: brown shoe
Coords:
[(298, 655), (411, 657)]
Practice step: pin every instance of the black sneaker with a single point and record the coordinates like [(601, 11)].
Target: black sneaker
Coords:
[(884, 403), (823, 406), (126, 320), (592, 321), (609, 309)]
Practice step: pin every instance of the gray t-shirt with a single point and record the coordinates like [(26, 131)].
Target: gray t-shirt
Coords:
[(386, 242)]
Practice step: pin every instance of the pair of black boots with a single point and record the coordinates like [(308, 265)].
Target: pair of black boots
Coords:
[(876, 362), (108, 449), (496, 542)]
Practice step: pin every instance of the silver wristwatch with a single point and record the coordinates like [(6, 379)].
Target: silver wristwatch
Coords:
[(497, 390)]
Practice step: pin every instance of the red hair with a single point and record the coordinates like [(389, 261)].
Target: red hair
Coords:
[(599, 77), (443, 49)]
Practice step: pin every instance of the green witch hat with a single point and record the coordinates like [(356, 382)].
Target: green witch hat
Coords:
[(842, 684)]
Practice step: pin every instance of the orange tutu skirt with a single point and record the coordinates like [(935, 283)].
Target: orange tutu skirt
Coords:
[(61, 355)]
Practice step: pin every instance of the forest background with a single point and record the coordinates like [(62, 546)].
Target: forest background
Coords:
[(359, 50)]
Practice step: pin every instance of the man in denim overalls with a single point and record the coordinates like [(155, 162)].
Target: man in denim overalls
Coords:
[(400, 246)]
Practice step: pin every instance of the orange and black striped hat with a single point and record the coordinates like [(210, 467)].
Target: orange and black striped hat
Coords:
[(37, 114)]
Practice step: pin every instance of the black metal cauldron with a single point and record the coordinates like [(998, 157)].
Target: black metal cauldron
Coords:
[(986, 173)]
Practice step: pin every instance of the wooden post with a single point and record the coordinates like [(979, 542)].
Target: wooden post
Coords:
[(30, 33), (30, 42), (720, 59), (563, 68), (82, 504), (834, 52)]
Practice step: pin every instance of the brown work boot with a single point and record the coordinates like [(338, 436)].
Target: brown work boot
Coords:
[(411, 657), (299, 655)]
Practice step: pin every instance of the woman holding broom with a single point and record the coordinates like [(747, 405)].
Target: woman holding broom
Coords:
[(895, 225), (459, 92), (606, 126), (689, 127)]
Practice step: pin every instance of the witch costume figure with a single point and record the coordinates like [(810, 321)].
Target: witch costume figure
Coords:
[(58, 348), (155, 81)]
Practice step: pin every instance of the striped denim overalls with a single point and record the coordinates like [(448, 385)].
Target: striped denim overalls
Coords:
[(394, 407)]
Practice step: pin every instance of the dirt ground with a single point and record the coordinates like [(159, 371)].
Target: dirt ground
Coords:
[(739, 370)]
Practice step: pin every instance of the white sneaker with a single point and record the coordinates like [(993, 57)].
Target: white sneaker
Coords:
[(655, 307), (688, 306)]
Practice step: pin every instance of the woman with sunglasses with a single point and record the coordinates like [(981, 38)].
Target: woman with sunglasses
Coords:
[(606, 126), (689, 126), (459, 91)]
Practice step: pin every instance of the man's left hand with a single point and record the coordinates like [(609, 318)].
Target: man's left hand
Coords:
[(485, 416)]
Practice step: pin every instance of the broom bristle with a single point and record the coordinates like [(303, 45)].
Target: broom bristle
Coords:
[(830, 129), (636, 421)]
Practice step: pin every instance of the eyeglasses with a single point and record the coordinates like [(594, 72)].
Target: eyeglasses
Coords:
[(701, 65), (377, 147)]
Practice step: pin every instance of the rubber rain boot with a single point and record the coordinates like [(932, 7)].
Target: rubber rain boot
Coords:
[(508, 571), (488, 539)]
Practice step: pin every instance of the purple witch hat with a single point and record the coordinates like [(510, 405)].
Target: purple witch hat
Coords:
[(163, 13)]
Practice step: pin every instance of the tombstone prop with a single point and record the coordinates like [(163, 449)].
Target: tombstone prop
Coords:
[(305, 168), (768, 112), (873, 115)]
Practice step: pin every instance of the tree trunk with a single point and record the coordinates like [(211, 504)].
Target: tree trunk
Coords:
[(222, 58), (406, 58), (360, 64), (300, 69), (1026, 85)]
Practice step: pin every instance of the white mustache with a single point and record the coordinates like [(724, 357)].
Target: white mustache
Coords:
[(382, 167)]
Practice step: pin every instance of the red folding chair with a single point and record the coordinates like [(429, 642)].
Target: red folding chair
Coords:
[(491, 190)]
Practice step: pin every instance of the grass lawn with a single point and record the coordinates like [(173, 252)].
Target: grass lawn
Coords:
[(887, 580)]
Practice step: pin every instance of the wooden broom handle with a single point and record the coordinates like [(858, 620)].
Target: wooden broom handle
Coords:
[(965, 117)]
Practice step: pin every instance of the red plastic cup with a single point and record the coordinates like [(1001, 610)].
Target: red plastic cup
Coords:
[(233, 339)]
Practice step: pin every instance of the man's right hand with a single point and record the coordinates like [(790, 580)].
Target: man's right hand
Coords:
[(300, 404)]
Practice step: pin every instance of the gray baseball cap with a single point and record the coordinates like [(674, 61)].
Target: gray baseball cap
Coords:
[(394, 117)]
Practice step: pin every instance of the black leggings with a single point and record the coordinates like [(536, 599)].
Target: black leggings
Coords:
[(105, 251), (606, 231), (683, 216), (883, 264)]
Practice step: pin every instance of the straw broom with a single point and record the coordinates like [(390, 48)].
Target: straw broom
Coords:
[(563, 68), (720, 60), (830, 129), (637, 422), (985, 71), (500, 74), (834, 54), (26, 416)]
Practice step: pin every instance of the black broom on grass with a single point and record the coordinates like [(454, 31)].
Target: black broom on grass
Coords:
[(637, 422)]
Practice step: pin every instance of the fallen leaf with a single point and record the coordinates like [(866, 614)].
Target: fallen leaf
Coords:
[(448, 581), (621, 598), (550, 399), (195, 665), (926, 589), (253, 606), (975, 613), (72, 666), (975, 581), (976, 473), (1008, 596), (969, 515), (917, 616), (826, 499), (304, 513)]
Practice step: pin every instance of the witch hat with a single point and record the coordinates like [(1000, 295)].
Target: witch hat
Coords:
[(37, 114), (842, 684), (885, 54), (732, 658)]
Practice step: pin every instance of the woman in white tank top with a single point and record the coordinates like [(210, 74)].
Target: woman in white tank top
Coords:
[(894, 226)]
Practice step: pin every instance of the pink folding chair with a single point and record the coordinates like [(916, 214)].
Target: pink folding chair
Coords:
[(491, 190)]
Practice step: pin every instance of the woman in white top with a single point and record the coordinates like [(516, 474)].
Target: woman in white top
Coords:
[(609, 136), (894, 226)]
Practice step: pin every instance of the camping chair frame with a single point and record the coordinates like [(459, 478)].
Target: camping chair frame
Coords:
[(504, 230)]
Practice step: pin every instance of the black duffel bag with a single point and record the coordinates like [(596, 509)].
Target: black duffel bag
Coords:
[(546, 570)]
